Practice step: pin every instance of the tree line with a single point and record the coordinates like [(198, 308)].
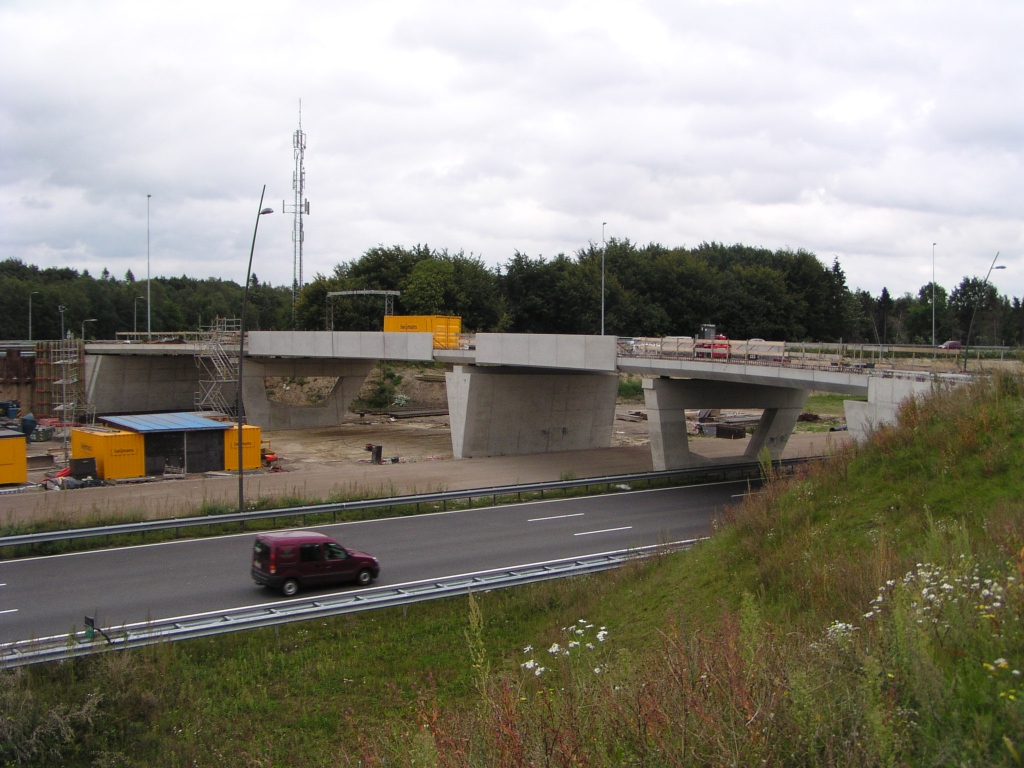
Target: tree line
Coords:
[(650, 290), (115, 305)]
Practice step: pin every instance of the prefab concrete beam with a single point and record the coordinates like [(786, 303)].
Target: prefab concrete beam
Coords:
[(497, 411), (343, 345), (668, 400)]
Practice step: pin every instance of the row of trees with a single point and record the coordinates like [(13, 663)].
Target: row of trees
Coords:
[(656, 291), (650, 291), (178, 303)]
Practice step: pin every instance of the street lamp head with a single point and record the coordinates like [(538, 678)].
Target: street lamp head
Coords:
[(1001, 266), (266, 211)]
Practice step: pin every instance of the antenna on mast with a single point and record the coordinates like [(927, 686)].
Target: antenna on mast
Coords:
[(298, 209)]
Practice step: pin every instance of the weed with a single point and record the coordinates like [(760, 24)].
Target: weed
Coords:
[(631, 388)]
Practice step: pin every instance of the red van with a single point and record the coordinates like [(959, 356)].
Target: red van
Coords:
[(289, 560)]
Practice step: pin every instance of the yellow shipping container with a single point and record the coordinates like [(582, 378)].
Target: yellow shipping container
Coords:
[(251, 455), (118, 453), (446, 329), (13, 458)]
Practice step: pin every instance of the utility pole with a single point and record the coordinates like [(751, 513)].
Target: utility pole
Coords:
[(149, 303), (933, 294), (604, 248), (31, 294)]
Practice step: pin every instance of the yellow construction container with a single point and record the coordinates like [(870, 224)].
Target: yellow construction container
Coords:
[(446, 329), (118, 453), (13, 457), (251, 455)]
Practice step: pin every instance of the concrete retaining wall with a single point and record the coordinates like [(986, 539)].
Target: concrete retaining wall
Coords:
[(500, 411)]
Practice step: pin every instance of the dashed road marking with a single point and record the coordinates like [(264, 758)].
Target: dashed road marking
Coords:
[(555, 517), (605, 530)]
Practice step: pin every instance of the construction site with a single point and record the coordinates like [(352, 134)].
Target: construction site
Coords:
[(73, 457)]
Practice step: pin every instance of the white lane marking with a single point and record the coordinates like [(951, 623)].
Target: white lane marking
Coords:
[(252, 534), (10, 610), (606, 530), (555, 517)]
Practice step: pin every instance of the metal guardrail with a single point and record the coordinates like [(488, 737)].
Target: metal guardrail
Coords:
[(788, 355), (742, 470), (73, 645)]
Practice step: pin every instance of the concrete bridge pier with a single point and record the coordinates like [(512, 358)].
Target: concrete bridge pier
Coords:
[(267, 414), (668, 399), (497, 411)]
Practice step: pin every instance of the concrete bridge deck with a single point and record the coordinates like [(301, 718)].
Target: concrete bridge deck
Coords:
[(510, 393)]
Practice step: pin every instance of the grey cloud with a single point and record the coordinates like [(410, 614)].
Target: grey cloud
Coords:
[(867, 130)]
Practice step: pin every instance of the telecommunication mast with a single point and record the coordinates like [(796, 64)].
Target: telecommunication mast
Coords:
[(298, 209)]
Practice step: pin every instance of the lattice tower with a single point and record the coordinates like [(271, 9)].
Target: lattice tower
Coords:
[(299, 208)]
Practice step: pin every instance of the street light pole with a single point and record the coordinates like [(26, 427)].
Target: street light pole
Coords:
[(30, 295), (984, 284), (604, 248), (149, 303), (62, 352), (933, 294), (241, 345), (135, 316), (90, 320)]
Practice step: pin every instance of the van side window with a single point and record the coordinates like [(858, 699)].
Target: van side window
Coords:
[(335, 552), (309, 553)]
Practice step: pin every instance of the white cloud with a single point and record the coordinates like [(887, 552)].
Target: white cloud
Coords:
[(866, 131)]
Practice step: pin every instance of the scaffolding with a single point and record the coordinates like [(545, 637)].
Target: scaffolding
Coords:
[(60, 382), (217, 356)]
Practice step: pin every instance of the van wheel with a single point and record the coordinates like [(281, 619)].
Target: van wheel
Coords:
[(290, 588), (364, 577)]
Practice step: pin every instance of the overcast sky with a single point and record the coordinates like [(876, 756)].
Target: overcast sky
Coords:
[(863, 130)]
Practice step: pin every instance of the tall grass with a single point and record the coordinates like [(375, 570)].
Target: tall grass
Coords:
[(869, 613)]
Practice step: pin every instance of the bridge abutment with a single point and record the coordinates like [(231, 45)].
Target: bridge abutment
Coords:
[(668, 400), (884, 399), (498, 411), (141, 383)]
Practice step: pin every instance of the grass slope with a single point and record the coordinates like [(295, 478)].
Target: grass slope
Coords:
[(867, 613)]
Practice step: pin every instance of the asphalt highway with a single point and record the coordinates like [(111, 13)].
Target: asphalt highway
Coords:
[(47, 596)]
